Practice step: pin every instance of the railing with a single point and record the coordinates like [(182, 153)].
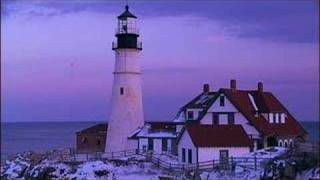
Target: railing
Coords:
[(127, 31), (230, 163), (176, 167), (138, 45)]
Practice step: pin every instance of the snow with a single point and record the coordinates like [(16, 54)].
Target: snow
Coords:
[(102, 170), (311, 174), (92, 170), (271, 152), (245, 172), (15, 167), (146, 133)]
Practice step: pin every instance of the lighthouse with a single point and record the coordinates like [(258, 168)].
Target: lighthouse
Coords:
[(127, 109)]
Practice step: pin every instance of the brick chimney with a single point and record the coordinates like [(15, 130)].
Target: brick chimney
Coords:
[(260, 86), (233, 84), (206, 88)]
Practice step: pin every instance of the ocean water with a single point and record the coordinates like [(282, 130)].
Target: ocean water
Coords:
[(38, 136), (43, 136)]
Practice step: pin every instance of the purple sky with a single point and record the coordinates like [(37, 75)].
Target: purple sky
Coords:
[(57, 60)]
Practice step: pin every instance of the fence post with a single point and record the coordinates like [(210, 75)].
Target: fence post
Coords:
[(255, 163), (232, 163), (111, 155), (158, 162), (212, 164)]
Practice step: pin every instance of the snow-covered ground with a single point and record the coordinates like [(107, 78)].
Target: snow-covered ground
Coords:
[(311, 174), (271, 152), (21, 169), (134, 168)]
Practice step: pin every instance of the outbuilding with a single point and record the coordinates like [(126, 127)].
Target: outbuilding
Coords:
[(199, 143)]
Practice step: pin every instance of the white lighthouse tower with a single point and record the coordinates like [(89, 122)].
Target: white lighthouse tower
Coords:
[(127, 109)]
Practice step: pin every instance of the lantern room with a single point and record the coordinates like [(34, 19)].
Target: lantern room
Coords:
[(127, 32), (127, 23)]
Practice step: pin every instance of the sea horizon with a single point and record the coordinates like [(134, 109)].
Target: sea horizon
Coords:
[(18, 137)]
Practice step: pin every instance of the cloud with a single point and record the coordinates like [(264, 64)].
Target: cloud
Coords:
[(270, 20), (61, 65)]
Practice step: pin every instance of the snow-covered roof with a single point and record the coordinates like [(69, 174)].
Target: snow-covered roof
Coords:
[(146, 131)]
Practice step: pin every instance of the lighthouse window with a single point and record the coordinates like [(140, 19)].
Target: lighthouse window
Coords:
[(121, 91)]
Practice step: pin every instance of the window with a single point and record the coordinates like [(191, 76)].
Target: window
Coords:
[(190, 156), (280, 143), (290, 143), (230, 118), (224, 155), (270, 117), (190, 115), (84, 140), (121, 91), (282, 118), (164, 145), (183, 155), (150, 144), (98, 142), (222, 100), (215, 117), (276, 117)]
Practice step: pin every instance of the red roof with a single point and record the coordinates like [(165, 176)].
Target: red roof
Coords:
[(218, 135), (266, 102)]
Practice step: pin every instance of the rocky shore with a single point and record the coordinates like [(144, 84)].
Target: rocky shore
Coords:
[(49, 166)]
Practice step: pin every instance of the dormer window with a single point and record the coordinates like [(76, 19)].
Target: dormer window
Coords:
[(282, 118), (276, 117), (190, 115), (222, 100), (271, 117)]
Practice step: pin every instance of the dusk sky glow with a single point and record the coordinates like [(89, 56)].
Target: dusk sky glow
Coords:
[(57, 60)]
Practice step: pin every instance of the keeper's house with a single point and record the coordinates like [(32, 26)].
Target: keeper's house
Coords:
[(230, 122), (213, 125)]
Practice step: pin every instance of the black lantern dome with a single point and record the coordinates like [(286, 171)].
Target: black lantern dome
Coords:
[(127, 32), (126, 14)]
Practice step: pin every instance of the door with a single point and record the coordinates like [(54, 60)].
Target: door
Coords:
[(150, 144), (164, 145), (224, 156)]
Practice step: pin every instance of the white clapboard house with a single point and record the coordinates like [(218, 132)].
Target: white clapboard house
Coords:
[(223, 123)]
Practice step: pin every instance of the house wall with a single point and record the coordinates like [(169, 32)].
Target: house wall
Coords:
[(238, 117), (228, 106), (133, 143), (88, 142), (143, 142), (213, 153), (186, 143), (157, 144)]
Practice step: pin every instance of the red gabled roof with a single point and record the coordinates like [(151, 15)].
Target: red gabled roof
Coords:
[(265, 102), (218, 135)]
